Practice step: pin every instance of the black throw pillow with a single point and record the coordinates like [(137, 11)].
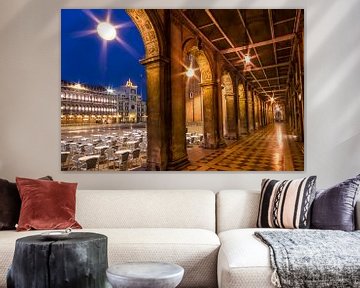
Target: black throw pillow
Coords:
[(10, 204), (334, 208)]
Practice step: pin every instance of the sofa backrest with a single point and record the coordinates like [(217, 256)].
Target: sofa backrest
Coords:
[(236, 209), (239, 209), (146, 209)]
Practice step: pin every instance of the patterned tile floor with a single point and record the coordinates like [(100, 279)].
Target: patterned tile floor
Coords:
[(268, 149)]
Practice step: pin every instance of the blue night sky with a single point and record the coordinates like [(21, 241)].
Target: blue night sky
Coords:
[(82, 56)]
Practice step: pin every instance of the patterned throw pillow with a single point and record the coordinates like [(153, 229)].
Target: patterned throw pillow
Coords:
[(286, 204)]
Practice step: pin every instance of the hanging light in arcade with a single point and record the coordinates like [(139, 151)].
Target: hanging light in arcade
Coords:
[(272, 98), (247, 59), (190, 71)]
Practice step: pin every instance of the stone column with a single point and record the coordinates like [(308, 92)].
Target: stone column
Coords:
[(256, 112), (260, 112), (250, 109), (236, 108), (263, 110), (242, 111), (231, 117), (177, 152), (157, 111), (211, 129), (253, 109)]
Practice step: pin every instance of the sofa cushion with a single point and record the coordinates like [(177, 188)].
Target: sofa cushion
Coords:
[(236, 209), (244, 260), (10, 204), (153, 209), (46, 204), (286, 204), (334, 208), (196, 250)]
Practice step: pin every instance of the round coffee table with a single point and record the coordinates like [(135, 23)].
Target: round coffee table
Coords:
[(145, 275)]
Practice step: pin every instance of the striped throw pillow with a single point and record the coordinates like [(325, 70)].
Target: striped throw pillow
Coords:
[(286, 204)]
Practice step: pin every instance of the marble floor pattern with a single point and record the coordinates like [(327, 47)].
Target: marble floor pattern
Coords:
[(271, 148)]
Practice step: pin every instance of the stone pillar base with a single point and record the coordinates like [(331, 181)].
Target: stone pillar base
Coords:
[(178, 164)]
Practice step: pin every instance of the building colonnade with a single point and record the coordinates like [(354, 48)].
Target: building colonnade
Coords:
[(231, 106)]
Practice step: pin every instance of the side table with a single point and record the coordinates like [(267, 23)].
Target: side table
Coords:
[(145, 275), (78, 261)]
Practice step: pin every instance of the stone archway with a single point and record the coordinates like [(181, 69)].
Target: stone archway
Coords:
[(228, 106), (209, 92), (156, 66), (147, 31)]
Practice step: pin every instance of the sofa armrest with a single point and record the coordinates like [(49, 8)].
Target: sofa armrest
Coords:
[(357, 215)]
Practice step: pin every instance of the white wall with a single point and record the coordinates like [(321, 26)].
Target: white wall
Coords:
[(30, 89)]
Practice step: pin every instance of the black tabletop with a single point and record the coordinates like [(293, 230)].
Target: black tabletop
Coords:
[(73, 237)]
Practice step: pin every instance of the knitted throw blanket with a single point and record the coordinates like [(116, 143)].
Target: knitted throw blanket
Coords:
[(313, 258)]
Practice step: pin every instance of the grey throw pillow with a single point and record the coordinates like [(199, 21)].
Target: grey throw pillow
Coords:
[(334, 208)]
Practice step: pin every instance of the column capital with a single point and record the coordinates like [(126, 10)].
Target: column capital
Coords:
[(208, 83), (154, 59)]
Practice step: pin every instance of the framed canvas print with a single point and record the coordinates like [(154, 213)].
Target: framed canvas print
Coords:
[(182, 89)]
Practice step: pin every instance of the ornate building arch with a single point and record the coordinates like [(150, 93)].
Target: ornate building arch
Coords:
[(148, 33), (208, 90), (156, 65)]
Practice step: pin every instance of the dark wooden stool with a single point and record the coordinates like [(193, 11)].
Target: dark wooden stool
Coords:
[(78, 261)]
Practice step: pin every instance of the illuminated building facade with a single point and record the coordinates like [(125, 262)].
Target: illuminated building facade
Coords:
[(83, 104), (131, 107)]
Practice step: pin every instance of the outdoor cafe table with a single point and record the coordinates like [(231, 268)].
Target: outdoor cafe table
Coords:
[(131, 143), (101, 147), (85, 158), (119, 152)]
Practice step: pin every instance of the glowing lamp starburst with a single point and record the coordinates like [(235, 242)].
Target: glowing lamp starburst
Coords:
[(247, 59), (106, 31), (190, 72)]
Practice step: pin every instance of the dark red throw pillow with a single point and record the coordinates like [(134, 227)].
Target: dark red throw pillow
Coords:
[(46, 204), (10, 204)]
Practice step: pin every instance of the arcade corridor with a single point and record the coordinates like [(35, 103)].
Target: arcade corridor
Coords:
[(272, 148), (236, 86)]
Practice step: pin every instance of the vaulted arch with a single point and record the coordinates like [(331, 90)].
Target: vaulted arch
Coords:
[(146, 28), (156, 66), (208, 92)]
